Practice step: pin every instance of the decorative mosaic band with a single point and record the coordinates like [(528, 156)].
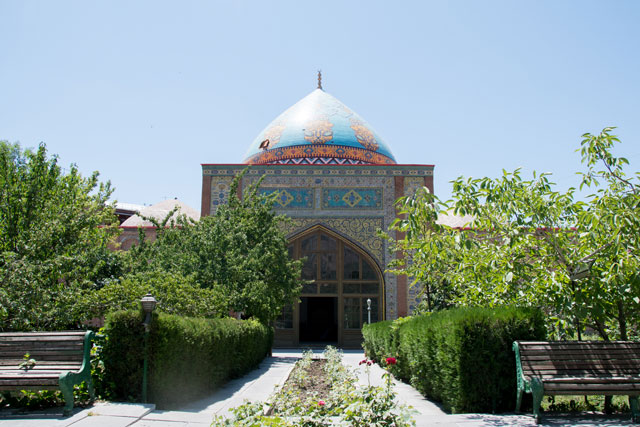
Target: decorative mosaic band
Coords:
[(349, 198), (294, 198), (366, 170), (320, 151)]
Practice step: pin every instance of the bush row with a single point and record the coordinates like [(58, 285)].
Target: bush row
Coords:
[(188, 357), (460, 357)]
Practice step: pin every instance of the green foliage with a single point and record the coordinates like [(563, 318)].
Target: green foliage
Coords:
[(55, 226), (240, 253), (529, 245), (123, 354), (564, 404), (380, 339), (188, 357), (461, 357), (175, 294)]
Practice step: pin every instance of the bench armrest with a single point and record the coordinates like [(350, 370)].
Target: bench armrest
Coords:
[(68, 379), (86, 356), (523, 384)]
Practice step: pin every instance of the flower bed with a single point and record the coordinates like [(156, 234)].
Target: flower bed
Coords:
[(325, 392)]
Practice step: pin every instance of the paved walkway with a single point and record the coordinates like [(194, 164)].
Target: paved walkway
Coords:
[(258, 385)]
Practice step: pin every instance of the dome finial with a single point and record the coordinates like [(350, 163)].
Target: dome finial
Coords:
[(320, 79)]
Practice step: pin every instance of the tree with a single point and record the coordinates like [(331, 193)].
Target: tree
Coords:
[(54, 232), (611, 227), (240, 253), (531, 245)]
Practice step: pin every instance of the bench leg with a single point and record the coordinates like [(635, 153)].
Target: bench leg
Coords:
[(66, 387), (518, 399), (635, 409), (537, 390)]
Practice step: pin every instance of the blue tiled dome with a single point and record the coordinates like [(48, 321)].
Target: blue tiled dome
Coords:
[(318, 129)]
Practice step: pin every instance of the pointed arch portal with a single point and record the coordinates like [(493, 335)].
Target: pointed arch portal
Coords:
[(333, 304)]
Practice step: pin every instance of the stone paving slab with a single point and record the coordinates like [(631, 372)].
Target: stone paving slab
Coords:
[(489, 420), (155, 423), (105, 421), (180, 416), (121, 409), (98, 415)]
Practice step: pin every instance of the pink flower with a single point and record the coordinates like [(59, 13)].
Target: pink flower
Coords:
[(362, 362), (391, 360), (321, 403), (368, 362)]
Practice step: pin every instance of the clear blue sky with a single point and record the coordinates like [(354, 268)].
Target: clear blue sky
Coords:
[(146, 91)]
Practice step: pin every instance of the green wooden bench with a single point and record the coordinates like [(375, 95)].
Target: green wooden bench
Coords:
[(59, 360), (578, 368)]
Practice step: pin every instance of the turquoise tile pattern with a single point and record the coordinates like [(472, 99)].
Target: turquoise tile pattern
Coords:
[(352, 198), (291, 198)]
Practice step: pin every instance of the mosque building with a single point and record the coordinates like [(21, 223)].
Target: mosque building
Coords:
[(337, 180)]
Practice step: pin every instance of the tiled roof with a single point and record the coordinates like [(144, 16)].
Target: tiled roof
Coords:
[(159, 211)]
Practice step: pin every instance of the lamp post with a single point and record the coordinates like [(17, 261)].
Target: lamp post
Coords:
[(148, 303), (369, 309)]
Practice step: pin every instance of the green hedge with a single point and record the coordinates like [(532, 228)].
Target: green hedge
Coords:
[(379, 340), (188, 357), (460, 357)]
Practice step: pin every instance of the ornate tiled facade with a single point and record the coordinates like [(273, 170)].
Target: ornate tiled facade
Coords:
[(352, 201)]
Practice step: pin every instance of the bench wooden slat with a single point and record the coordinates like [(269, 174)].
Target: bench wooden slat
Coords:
[(584, 388), (39, 338), (52, 386), (588, 347), (547, 375), (587, 379), (607, 356), (54, 352), (30, 382), (576, 343), (602, 368), (45, 344), (21, 374), (7, 363), (587, 354), (584, 362), (57, 367)]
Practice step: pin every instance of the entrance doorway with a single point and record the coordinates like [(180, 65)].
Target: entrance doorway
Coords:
[(319, 319), (340, 281)]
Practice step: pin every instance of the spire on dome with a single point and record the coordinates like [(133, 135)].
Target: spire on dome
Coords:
[(320, 79)]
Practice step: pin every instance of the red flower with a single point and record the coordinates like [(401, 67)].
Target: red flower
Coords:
[(368, 362), (391, 360), (321, 403), (362, 361)]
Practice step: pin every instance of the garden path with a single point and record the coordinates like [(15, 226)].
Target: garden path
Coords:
[(258, 385)]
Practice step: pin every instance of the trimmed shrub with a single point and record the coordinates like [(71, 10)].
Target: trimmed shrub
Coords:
[(461, 357), (188, 357), (379, 340)]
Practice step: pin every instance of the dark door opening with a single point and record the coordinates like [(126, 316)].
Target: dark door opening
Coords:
[(319, 319)]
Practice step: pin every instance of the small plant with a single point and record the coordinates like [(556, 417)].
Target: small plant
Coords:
[(28, 362), (375, 405)]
